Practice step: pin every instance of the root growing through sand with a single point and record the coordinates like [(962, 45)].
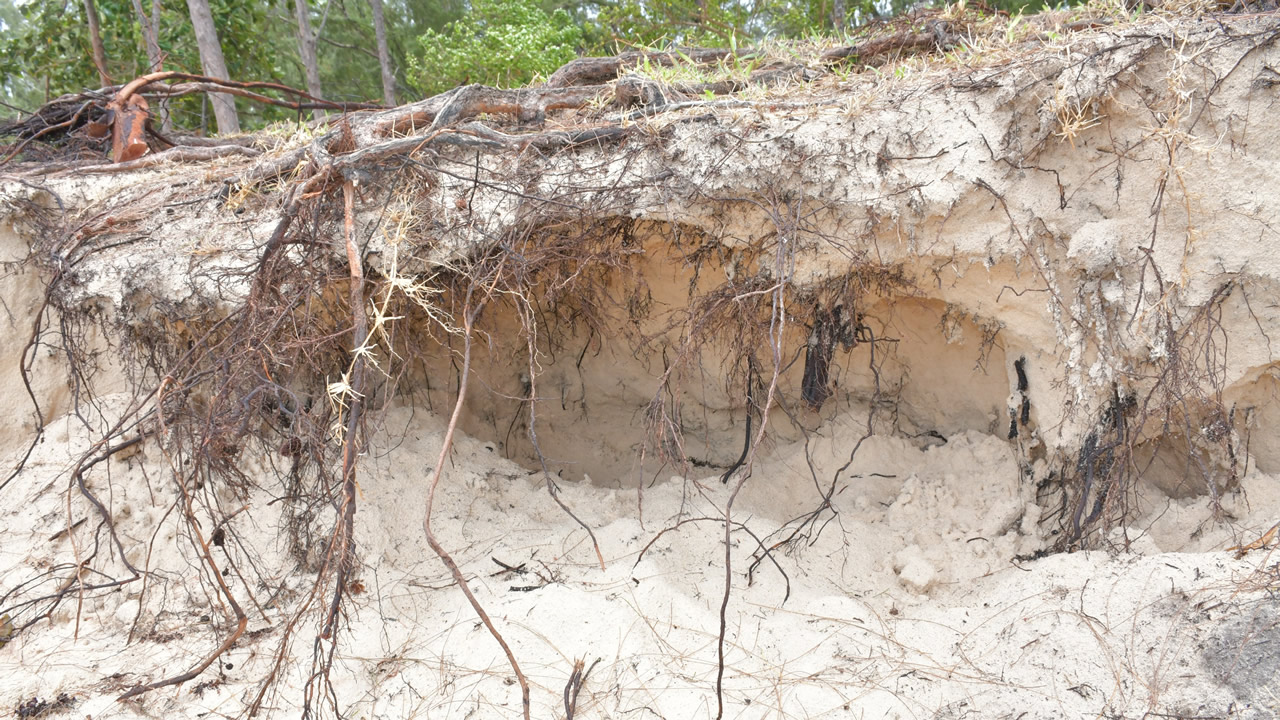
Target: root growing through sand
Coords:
[(405, 242)]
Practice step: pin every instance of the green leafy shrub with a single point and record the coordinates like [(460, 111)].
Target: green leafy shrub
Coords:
[(501, 42)]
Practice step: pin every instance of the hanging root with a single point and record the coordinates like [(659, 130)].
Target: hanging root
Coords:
[(393, 248), (469, 314)]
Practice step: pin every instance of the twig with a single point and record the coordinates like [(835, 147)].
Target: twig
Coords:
[(574, 686)]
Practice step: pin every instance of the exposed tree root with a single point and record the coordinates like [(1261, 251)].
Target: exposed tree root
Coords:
[(241, 620), (469, 314), (292, 358), (590, 70)]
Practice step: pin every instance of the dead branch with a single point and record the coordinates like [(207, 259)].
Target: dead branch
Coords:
[(178, 90), (47, 130), (122, 112)]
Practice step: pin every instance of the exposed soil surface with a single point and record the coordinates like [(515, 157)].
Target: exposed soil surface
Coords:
[(958, 368)]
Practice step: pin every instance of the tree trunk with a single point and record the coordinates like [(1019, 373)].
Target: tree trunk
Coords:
[(307, 48), (95, 39), (224, 106), (151, 39), (384, 56), (838, 15)]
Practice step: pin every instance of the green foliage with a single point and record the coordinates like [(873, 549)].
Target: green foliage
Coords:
[(805, 18), (500, 42), (619, 24), (435, 44), (417, 16), (648, 23), (45, 50)]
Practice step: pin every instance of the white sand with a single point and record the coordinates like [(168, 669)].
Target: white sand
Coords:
[(906, 605), (906, 597)]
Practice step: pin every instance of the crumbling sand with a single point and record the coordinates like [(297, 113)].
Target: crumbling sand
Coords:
[(1090, 212)]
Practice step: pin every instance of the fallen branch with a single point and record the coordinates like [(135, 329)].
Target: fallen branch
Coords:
[(64, 125), (122, 112)]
